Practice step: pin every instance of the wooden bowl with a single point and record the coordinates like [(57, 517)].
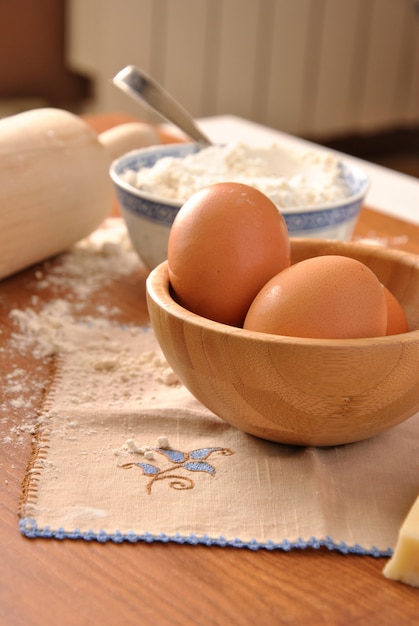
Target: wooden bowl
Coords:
[(293, 390)]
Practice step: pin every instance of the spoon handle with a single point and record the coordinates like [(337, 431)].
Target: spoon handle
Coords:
[(140, 86)]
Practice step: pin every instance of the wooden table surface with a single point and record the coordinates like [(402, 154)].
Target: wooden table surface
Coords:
[(80, 583)]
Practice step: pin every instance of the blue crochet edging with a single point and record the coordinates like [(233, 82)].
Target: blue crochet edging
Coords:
[(29, 528)]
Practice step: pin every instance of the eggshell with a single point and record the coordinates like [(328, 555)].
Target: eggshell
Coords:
[(396, 318), (226, 242), (328, 297)]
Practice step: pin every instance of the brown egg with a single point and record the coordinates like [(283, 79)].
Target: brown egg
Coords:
[(328, 297), (396, 318), (226, 242)]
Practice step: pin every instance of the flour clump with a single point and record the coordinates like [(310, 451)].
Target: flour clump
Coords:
[(290, 178)]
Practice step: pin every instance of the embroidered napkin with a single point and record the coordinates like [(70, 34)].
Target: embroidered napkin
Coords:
[(125, 453)]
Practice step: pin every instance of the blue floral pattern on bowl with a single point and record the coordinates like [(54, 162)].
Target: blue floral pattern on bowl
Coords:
[(301, 221)]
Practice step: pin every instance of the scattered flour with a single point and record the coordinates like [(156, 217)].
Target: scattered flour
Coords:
[(133, 447), (95, 261), (58, 326)]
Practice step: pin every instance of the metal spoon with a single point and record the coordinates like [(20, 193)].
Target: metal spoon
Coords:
[(141, 87)]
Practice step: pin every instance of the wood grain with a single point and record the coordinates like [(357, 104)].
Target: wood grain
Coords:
[(294, 390), (75, 582)]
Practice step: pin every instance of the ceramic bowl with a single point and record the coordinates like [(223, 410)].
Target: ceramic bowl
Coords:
[(293, 390), (149, 218)]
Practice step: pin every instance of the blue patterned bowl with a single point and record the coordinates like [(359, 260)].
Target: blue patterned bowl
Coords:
[(149, 218)]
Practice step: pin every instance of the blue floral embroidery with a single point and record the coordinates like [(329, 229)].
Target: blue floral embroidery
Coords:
[(194, 461), (148, 469)]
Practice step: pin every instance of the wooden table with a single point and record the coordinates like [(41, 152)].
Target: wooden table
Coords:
[(88, 583)]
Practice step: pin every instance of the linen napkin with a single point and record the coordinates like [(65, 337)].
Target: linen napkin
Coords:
[(124, 452)]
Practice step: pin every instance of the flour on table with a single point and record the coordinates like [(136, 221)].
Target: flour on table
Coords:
[(92, 263), (60, 327)]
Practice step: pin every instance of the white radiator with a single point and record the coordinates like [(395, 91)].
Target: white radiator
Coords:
[(314, 68)]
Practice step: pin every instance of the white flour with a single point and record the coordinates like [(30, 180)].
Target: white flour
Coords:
[(60, 325), (289, 178)]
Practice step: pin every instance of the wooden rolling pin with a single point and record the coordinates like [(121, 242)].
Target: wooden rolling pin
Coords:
[(55, 187)]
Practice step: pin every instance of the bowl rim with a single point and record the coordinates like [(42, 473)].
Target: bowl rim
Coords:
[(144, 195), (160, 294), (192, 146)]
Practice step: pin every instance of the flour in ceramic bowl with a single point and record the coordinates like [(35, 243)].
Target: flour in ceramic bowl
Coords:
[(291, 178)]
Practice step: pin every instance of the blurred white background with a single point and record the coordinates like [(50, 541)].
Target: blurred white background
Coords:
[(315, 68), (327, 70)]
